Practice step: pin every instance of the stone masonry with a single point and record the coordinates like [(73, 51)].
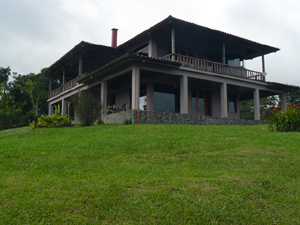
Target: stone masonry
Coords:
[(148, 117)]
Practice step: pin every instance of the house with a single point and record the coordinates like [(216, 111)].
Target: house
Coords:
[(173, 68)]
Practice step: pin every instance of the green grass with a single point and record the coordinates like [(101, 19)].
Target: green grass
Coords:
[(149, 174)]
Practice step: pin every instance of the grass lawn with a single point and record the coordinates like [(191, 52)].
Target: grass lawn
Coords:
[(149, 174)]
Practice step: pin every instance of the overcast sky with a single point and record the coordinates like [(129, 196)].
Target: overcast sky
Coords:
[(35, 33)]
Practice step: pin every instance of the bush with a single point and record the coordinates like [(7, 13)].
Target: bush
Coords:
[(88, 109), (283, 120), (56, 120), (127, 122)]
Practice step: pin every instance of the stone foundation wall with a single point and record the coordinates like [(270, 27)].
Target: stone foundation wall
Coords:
[(119, 118), (147, 117)]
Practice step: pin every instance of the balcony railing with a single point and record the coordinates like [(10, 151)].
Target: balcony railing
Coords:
[(67, 86), (209, 66)]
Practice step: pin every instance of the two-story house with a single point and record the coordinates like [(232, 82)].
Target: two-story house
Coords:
[(175, 66)]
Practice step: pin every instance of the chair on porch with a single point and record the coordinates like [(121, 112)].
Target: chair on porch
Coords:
[(123, 107)]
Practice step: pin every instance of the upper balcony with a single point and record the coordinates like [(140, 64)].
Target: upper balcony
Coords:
[(214, 67)]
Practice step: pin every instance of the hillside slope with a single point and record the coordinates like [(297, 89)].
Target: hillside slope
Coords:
[(149, 174)]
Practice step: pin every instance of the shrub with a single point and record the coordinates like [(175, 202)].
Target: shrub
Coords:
[(127, 122), (88, 109), (283, 120), (56, 120)]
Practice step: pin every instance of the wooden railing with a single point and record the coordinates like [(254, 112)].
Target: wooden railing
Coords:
[(214, 67), (67, 86)]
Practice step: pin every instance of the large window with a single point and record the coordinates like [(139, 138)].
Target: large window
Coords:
[(166, 98)]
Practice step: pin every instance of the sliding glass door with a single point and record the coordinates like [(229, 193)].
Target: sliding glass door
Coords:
[(201, 103)]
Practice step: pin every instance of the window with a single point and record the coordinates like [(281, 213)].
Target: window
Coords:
[(161, 52), (166, 98), (232, 103), (201, 103), (143, 50)]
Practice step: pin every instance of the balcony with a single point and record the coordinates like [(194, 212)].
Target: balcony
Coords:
[(186, 61), (67, 86), (214, 67)]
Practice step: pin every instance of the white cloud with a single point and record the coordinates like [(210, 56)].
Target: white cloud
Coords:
[(35, 33)]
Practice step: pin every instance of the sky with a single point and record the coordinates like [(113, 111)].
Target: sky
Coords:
[(36, 33)]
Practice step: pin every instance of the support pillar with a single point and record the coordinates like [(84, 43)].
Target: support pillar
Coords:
[(150, 95), (283, 101), (50, 109), (135, 90), (184, 95), (224, 101), (152, 48), (104, 97), (263, 64), (63, 107), (256, 104), (173, 43), (64, 75)]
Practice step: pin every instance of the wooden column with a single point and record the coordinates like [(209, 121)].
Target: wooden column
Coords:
[(104, 97), (223, 55), (64, 75), (80, 65), (173, 43), (256, 104), (135, 89), (224, 101), (184, 95)]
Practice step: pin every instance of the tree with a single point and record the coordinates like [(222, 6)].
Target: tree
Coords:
[(88, 108), (4, 74), (293, 96), (30, 86), (247, 107), (9, 110)]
